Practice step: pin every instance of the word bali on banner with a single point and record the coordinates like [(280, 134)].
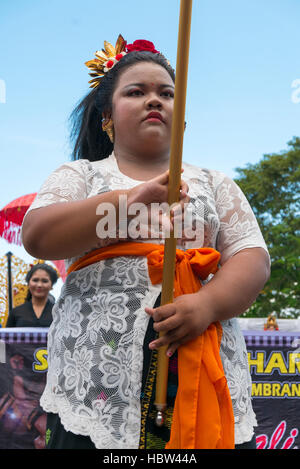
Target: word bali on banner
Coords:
[(274, 361)]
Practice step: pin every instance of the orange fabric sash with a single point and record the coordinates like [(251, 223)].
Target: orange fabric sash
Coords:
[(203, 415)]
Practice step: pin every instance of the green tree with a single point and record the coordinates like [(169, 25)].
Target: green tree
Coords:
[(272, 189)]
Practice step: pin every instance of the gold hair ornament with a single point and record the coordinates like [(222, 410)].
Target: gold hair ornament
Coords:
[(108, 57), (105, 60)]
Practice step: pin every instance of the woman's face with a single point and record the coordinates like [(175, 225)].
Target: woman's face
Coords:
[(40, 284), (143, 89)]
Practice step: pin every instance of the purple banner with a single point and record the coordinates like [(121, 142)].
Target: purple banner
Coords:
[(274, 360), (23, 366)]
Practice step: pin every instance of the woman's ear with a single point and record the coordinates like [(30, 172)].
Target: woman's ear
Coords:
[(108, 125), (106, 116)]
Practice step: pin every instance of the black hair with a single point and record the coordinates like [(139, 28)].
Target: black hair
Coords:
[(91, 142), (47, 268)]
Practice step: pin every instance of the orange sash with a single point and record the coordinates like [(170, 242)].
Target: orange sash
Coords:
[(203, 415)]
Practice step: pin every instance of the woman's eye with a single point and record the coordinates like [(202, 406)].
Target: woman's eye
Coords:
[(168, 94), (135, 93)]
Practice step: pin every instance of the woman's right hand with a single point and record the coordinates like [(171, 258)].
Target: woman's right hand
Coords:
[(156, 219)]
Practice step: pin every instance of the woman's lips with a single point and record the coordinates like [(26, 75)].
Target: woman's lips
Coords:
[(154, 117)]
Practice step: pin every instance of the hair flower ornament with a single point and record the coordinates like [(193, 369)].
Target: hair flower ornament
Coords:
[(108, 57), (142, 45), (112, 62)]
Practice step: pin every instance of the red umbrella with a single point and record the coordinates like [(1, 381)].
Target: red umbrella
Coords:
[(60, 265), (11, 218)]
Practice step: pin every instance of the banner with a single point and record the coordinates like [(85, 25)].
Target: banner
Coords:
[(274, 361), (23, 366)]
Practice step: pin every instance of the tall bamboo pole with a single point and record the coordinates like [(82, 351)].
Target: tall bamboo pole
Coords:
[(174, 188), (9, 282)]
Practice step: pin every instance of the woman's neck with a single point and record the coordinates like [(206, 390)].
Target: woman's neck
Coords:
[(141, 166), (39, 301)]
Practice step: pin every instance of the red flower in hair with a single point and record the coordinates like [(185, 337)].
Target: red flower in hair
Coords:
[(110, 64), (142, 45)]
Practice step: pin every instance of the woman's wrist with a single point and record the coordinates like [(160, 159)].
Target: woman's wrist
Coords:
[(207, 299)]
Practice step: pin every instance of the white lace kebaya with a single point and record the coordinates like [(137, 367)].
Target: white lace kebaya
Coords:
[(95, 342)]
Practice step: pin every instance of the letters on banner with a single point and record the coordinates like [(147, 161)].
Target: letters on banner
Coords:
[(274, 362)]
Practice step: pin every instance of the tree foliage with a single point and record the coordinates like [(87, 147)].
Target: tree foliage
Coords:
[(272, 189)]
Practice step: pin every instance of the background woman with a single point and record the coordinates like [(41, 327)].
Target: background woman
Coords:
[(37, 309)]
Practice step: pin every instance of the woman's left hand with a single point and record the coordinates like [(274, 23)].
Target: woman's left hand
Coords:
[(232, 290), (181, 321)]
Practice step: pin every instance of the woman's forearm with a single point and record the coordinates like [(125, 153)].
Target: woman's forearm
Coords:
[(237, 284), (66, 229)]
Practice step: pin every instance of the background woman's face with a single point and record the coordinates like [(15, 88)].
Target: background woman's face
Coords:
[(40, 284), (142, 88)]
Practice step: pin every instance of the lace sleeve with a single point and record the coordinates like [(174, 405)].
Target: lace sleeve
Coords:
[(65, 184), (238, 226)]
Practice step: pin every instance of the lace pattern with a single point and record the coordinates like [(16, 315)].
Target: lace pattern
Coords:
[(96, 339)]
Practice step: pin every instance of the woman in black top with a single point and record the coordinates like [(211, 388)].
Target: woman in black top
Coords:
[(37, 309)]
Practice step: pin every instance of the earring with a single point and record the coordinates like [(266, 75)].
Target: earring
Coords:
[(108, 127)]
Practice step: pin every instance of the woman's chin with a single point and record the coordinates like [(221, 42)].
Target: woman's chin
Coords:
[(39, 296), (154, 140)]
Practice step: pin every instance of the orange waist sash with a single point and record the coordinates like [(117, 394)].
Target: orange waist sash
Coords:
[(203, 415)]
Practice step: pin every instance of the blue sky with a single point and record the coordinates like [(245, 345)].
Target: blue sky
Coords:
[(244, 58)]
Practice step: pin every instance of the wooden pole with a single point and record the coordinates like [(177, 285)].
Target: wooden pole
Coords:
[(9, 282), (174, 188)]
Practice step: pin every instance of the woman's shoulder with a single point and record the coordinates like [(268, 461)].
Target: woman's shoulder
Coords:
[(85, 166), (81, 165), (72, 177), (212, 176), (20, 308)]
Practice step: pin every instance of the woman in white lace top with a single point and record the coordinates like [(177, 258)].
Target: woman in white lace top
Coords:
[(104, 318)]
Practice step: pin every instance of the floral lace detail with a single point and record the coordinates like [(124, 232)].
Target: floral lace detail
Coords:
[(77, 371), (95, 342), (234, 358)]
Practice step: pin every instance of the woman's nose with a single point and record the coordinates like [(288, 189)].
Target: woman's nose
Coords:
[(153, 102)]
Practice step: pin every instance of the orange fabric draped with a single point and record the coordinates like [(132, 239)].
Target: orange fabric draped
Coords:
[(203, 415)]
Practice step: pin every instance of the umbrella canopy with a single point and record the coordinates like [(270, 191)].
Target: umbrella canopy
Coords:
[(11, 218)]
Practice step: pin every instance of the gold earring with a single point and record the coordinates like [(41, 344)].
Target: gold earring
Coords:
[(108, 127)]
